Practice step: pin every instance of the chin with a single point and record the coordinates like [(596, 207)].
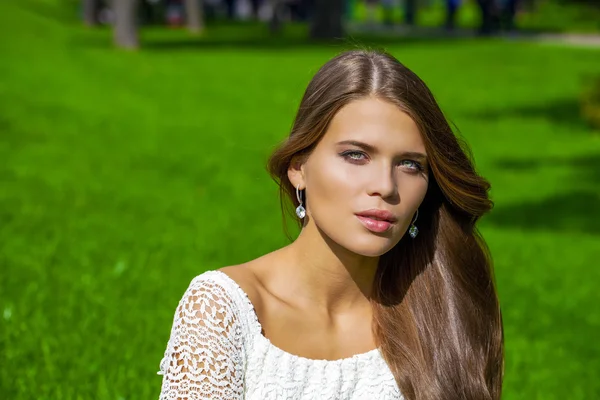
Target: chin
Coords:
[(371, 246), (359, 241)]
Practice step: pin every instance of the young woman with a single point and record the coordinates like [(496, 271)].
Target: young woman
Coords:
[(388, 291)]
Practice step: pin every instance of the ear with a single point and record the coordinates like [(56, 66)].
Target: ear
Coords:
[(296, 172)]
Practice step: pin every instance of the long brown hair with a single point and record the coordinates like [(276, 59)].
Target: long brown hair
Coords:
[(436, 312)]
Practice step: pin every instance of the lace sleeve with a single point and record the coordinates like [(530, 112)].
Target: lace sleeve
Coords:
[(204, 359)]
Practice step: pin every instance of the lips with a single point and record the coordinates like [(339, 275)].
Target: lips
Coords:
[(377, 220), (379, 215), (375, 225)]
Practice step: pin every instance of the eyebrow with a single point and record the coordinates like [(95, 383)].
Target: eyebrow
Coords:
[(372, 149)]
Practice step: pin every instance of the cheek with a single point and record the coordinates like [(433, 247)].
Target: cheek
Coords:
[(331, 188), (412, 190)]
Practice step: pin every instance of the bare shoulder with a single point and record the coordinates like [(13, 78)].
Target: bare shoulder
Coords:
[(255, 278), (245, 275)]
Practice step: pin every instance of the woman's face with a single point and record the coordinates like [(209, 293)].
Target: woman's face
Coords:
[(372, 157)]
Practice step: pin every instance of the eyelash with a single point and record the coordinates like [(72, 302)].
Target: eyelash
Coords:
[(346, 155)]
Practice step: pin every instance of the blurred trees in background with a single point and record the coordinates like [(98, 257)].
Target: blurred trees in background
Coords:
[(194, 12), (126, 24), (497, 15), (90, 10), (325, 18), (410, 11)]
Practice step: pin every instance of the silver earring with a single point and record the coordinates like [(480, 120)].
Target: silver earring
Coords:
[(300, 211), (413, 231)]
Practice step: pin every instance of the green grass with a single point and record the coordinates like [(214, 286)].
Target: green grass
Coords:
[(124, 175)]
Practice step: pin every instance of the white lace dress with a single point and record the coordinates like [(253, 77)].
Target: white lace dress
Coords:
[(216, 351)]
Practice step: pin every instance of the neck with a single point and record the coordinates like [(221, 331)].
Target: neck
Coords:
[(322, 275)]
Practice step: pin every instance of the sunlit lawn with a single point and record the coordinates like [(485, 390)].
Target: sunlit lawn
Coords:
[(124, 175)]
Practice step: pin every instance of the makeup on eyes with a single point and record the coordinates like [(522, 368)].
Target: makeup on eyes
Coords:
[(417, 156), (348, 155)]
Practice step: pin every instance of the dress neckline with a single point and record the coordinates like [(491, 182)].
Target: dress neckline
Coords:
[(257, 327)]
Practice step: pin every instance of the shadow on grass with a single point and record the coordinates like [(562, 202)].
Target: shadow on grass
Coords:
[(295, 37), (256, 35), (251, 35), (586, 168), (576, 211), (565, 112), (274, 44), (571, 212)]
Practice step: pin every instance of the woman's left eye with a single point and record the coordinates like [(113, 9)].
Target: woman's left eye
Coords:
[(410, 164)]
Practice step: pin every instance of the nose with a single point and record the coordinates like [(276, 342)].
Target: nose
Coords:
[(383, 183)]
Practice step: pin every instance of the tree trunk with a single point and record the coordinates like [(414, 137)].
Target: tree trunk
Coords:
[(90, 8), (126, 24), (451, 11), (410, 12), (276, 21), (327, 19), (488, 17), (194, 14)]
